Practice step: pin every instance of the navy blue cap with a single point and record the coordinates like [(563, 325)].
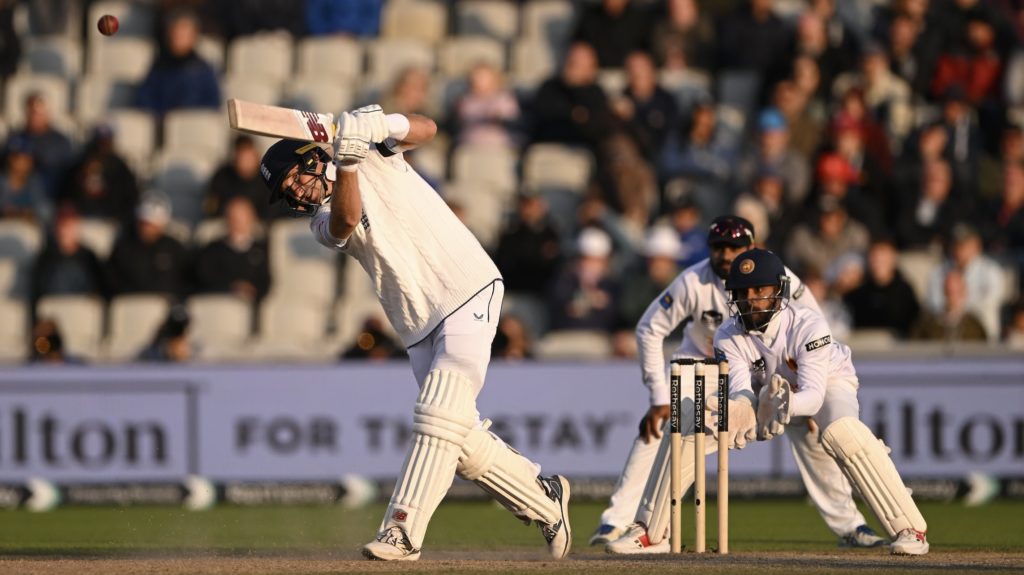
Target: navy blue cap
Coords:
[(755, 268)]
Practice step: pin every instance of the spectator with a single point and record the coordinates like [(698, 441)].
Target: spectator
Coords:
[(48, 345), (409, 92), (773, 152), (981, 276), (806, 76), (684, 38), (702, 152), (685, 218), (647, 108), (805, 127), (884, 299), (488, 113), (512, 341), (615, 28), (100, 184), (837, 315), (144, 258), (247, 17), (928, 212), (65, 266), (571, 108), (953, 321), (238, 263), (661, 251), (22, 191), (373, 343), (887, 96), (914, 43), (351, 17), (765, 207), (584, 295), (51, 149), (238, 177), (1005, 232), (964, 142), (812, 41), (1015, 328), (753, 38), (833, 235), (171, 342), (179, 78), (529, 250), (838, 179), (10, 47)]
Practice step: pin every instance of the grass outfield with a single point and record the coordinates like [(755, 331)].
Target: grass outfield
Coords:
[(469, 537)]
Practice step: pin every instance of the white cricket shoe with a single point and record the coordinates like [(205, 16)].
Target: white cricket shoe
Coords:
[(605, 534), (862, 536), (392, 544), (557, 534), (910, 542), (635, 542)]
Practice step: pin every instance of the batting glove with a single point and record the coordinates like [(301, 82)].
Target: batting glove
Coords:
[(774, 408), (352, 142), (376, 121)]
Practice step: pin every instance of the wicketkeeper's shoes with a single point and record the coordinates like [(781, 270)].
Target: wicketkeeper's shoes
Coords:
[(862, 536), (392, 544), (557, 534), (635, 542), (605, 534), (910, 542)]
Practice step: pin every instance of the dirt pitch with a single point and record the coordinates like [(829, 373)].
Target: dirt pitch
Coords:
[(491, 562)]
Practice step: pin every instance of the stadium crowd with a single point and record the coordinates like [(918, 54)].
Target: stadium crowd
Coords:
[(876, 146)]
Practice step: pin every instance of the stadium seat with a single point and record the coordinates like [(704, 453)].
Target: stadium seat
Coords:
[(97, 96), (548, 20), (338, 58), (320, 93), (209, 230), (574, 345), (531, 310), (134, 320), (357, 303), (266, 56), (492, 165), (54, 55), (688, 86), (388, 57), (556, 167), (739, 89), (99, 235), (292, 329), (431, 160), (54, 90), (135, 139), (121, 58), (917, 267), (252, 89), (20, 242), (867, 340), (204, 131), (182, 175), (533, 61), (498, 19), (421, 20), (300, 266), (612, 81), (14, 331), (80, 321), (459, 54), (483, 209), (220, 324), (212, 50)]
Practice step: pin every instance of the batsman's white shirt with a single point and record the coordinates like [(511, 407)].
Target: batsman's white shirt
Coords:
[(797, 345), (697, 299), (424, 263)]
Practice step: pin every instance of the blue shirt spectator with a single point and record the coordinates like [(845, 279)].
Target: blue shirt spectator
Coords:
[(356, 17), (179, 78)]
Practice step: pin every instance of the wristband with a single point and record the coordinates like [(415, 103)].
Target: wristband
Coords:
[(398, 126)]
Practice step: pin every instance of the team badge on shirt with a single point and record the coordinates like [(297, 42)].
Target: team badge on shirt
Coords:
[(818, 343), (666, 300)]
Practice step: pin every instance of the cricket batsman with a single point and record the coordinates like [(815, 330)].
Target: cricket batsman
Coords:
[(442, 293)]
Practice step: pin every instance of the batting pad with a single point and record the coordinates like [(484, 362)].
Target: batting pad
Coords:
[(507, 475), (866, 462), (445, 413)]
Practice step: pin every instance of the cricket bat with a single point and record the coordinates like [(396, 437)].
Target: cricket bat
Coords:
[(280, 122)]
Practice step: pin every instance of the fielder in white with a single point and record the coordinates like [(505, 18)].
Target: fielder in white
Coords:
[(787, 353), (636, 520), (442, 294)]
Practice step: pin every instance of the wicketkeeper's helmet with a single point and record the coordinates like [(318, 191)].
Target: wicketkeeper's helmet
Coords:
[(756, 268)]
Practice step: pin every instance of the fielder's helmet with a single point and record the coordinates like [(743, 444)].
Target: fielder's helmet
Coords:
[(731, 231), (279, 160)]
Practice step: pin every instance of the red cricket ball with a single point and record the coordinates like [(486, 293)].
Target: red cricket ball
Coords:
[(108, 25)]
